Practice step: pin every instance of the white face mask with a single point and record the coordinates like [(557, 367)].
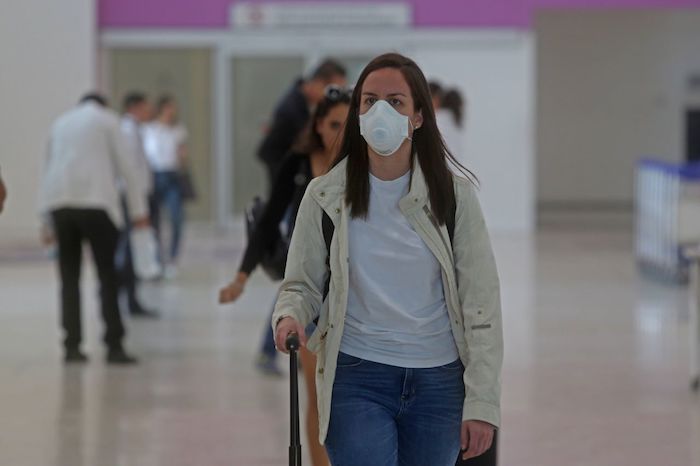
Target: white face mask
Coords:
[(384, 128)]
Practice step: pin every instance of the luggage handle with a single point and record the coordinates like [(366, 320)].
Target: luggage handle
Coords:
[(292, 345)]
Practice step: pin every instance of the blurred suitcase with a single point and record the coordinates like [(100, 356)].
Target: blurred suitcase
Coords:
[(489, 458), (292, 345)]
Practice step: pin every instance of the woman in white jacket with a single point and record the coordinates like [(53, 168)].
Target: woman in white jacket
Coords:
[(409, 338)]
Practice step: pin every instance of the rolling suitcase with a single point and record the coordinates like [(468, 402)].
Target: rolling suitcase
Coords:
[(292, 345)]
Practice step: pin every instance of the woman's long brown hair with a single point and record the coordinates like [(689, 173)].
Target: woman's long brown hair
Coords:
[(427, 144)]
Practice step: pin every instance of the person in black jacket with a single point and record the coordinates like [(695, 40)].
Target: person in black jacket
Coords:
[(315, 155), (292, 114)]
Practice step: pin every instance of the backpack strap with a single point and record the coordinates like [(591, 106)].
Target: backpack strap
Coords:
[(450, 222), (328, 231)]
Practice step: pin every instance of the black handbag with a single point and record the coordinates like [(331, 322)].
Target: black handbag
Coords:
[(187, 189), (274, 258)]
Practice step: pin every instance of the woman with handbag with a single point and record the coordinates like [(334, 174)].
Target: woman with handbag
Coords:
[(409, 341), (313, 157), (164, 145)]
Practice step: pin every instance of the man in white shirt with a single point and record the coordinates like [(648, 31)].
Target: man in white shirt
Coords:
[(79, 195), (137, 111)]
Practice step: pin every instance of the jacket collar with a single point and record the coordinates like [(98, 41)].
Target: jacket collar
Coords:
[(331, 187)]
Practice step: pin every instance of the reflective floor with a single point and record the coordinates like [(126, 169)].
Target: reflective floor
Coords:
[(596, 370)]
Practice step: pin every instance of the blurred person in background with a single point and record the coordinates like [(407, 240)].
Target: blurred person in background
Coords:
[(290, 118), (79, 198), (435, 94), (314, 155), (292, 113), (409, 341), (137, 111), (166, 150), (3, 194), (450, 117)]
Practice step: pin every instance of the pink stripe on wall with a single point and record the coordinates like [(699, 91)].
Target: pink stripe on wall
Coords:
[(214, 14)]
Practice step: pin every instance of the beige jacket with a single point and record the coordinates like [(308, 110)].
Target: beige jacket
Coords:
[(469, 278)]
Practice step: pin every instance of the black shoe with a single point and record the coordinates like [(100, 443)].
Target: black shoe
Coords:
[(118, 356), (142, 313), (75, 356)]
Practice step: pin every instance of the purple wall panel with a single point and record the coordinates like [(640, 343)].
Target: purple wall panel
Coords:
[(214, 14)]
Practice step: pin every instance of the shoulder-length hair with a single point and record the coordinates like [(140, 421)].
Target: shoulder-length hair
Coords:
[(453, 102), (430, 149), (310, 140)]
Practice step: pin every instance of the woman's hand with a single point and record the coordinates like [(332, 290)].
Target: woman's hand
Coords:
[(47, 236), (142, 222), (284, 327), (476, 438), (233, 290)]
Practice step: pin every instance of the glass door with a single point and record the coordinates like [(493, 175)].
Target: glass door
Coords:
[(257, 85)]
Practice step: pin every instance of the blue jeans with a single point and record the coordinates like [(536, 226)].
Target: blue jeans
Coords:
[(167, 193), (389, 416), (268, 342)]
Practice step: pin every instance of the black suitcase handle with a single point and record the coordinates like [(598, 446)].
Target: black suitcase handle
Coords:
[(292, 345)]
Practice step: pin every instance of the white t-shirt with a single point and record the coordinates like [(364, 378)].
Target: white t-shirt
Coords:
[(161, 144), (396, 312)]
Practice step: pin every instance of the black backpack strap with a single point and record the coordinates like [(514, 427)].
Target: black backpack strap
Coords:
[(450, 222), (328, 230)]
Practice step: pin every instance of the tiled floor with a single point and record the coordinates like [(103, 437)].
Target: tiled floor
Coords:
[(596, 370)]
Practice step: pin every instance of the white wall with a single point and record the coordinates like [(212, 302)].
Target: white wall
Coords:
[(496, 79), (47, 61), (611, 89)]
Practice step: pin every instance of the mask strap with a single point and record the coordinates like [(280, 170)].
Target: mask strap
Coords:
[(413, 130)]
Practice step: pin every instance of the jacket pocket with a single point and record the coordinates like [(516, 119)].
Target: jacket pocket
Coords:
[(317, 339), (481, 327)]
